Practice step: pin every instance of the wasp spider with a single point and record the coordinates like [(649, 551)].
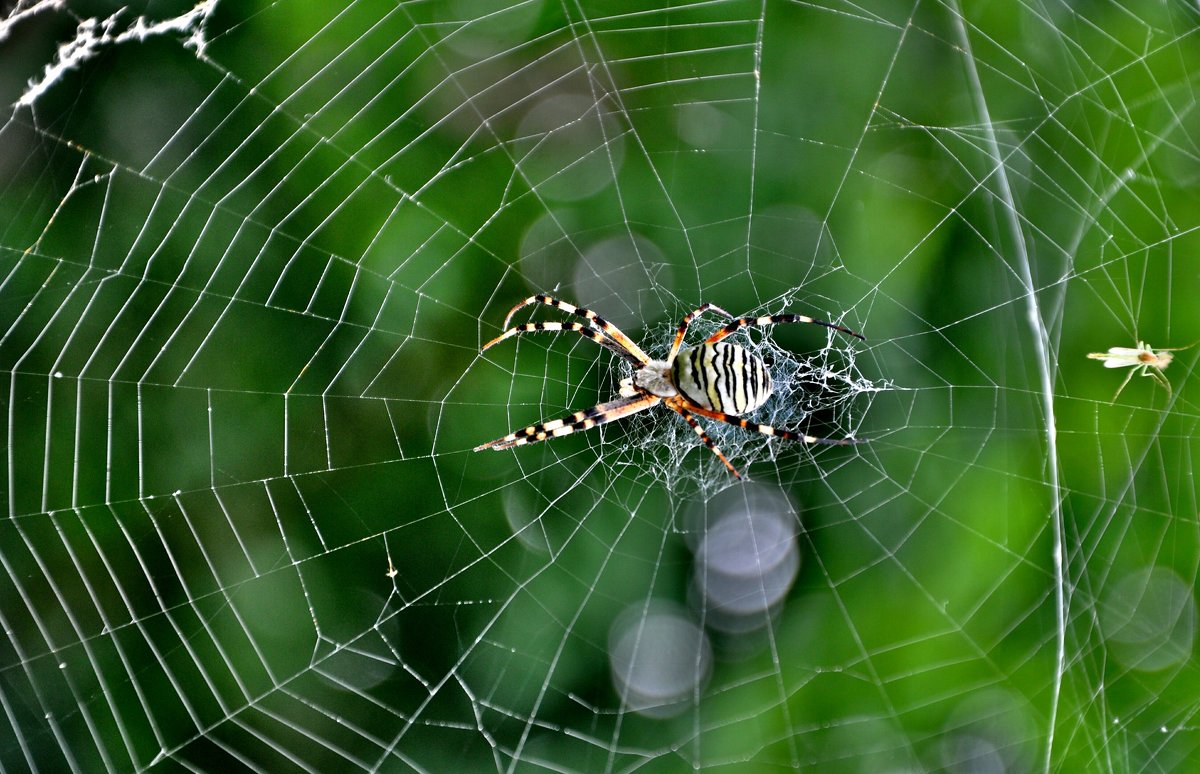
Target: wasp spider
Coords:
[(717, 379)]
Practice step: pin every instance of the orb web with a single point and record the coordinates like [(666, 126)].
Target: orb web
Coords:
[(249, 253)]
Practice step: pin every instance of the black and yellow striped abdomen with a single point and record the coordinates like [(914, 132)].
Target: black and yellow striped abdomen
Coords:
[(722, 377)]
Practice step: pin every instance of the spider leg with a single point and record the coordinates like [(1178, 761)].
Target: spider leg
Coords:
[(611, 330), (776, 319), (786, 435), (580, 420), (712, 447), (687, 320), (586, 331)]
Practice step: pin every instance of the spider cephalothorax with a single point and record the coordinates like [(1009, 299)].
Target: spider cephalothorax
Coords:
[(716, 379)]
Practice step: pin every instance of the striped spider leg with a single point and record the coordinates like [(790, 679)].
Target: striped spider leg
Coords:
[(717, 379), (776, 319), (600, 331), (580, 420)]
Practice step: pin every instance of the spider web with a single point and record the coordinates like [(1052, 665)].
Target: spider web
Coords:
[(251, 251)]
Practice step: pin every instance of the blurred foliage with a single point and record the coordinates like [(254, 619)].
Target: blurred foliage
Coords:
[(242, 307)]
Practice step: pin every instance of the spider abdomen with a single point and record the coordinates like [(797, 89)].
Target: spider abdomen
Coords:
[(722, 377)]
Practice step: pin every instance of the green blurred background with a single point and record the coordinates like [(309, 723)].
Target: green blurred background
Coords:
[(249, 261)]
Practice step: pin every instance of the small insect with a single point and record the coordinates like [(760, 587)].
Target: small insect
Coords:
[(1144, 359), (717, 379)]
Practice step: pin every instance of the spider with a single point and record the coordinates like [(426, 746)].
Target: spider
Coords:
[(716, 380)]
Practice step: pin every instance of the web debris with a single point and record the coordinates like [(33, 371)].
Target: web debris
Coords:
[(93, 35), (24, 11)]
